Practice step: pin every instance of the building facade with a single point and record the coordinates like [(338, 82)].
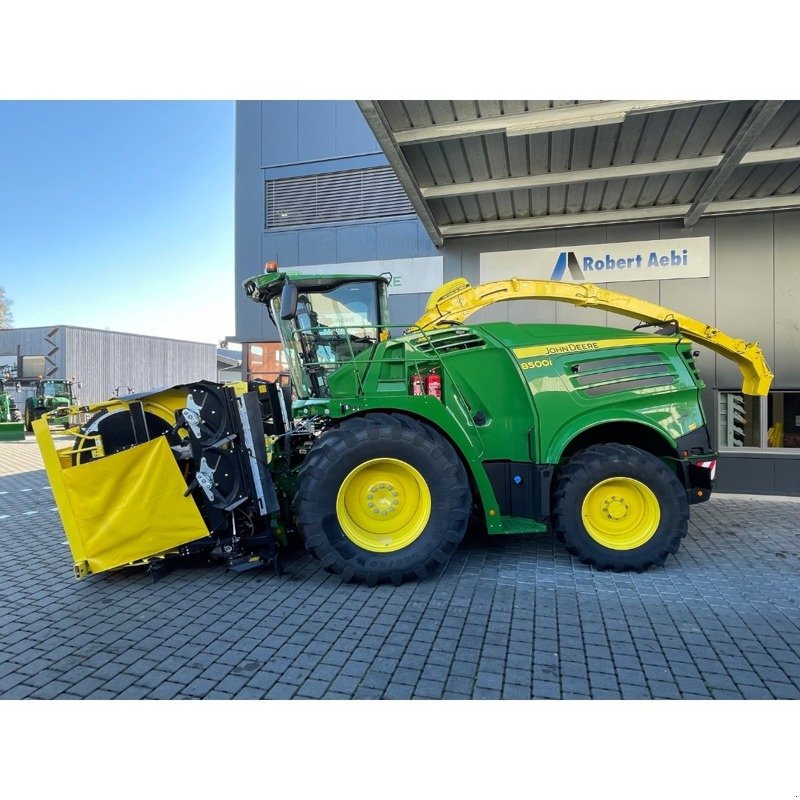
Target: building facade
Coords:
[(314, 191), (108, 363)]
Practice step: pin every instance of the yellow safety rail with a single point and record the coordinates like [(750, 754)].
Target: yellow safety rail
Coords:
[(458, 299)]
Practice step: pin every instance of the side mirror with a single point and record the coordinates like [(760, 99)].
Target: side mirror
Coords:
[(289, 301)]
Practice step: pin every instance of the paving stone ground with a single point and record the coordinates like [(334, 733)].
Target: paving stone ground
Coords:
[(510, 617)]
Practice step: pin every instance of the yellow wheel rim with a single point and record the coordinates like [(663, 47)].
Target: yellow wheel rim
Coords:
[(621, 513), (383, 505)]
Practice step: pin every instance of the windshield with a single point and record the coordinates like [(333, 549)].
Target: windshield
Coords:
[(330, 328), (55, 388)]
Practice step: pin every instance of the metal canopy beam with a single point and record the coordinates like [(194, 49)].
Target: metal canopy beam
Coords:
[(777, 203), (554, 119), (382, 130), (760, 115), (604, 173)]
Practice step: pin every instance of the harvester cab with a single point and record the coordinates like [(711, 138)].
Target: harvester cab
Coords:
[(323, 321)]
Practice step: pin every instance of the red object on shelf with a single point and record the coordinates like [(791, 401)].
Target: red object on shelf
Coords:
[(416, 384)]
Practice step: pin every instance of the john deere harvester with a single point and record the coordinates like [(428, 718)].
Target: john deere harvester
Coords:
[(377, 450)]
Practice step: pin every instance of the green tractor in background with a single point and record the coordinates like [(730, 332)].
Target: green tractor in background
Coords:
[(10, 420), (49, 395)]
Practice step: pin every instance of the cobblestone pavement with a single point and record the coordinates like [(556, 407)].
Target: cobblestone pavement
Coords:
[(510, 617)]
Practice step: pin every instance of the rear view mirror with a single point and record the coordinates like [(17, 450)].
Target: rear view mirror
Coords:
[(289, 301)]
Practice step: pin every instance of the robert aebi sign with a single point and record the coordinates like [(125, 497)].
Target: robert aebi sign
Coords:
[(660, 259)]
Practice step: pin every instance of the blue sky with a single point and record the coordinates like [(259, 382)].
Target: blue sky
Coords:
[(119, 215)]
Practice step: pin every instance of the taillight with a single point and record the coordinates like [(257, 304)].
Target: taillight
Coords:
[(433, 385), (709, 465), (416, 384)]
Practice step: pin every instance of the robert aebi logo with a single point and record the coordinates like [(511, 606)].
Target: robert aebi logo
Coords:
[(567, 260)]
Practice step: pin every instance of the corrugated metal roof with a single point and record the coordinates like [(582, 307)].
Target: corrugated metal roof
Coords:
[(483, 166)]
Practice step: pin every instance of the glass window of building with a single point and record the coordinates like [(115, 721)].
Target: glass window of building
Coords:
[(265, 361), (759, 422)]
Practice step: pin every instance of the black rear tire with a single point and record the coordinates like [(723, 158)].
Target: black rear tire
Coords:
[(627, 467), (342, 452)]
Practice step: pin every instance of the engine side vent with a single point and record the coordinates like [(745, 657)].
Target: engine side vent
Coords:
[(353, 194), (447, 341), (601, 377)]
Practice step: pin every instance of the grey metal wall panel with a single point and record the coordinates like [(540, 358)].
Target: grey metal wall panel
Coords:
[(356, 243), (397, 239), (498, 312), (452, 260), (526, 311), (38, 342), (102, 361), (280, 246), (786, 364), (471, 250), (404, 310), (316, 130), (787, 475), (279, 143), (425, 247), (317, 246), (313, 130), (353, 135), (249, 207), (695, 297), (746, 474), (744, 286)]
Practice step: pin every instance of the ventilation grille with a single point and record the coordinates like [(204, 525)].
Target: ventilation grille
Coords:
[(447, 341), (335, 197), (606, 376)]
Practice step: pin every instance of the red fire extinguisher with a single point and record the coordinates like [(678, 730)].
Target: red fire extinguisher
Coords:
[(433, 385), (416, 384)]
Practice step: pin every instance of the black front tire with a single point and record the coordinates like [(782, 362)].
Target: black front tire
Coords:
[(30, 416), (346, 448), (589, 468)]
